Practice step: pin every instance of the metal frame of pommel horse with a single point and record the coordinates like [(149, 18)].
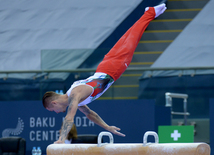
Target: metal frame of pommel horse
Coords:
[(169, 97), (129, 148)]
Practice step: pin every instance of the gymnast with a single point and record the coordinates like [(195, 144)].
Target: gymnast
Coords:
[(83, 92)]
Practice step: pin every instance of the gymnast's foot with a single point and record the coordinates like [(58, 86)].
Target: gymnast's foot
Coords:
[(159, 9)]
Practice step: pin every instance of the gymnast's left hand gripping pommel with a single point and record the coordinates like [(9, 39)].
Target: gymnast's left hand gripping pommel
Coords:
[(115, 130)]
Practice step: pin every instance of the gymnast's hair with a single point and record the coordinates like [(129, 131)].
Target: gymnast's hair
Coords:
[(48, 97)]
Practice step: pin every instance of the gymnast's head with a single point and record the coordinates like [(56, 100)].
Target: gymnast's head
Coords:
[(54, 102)]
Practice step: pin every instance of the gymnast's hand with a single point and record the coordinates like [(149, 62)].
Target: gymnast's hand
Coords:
[(59, 142), (115, 130)]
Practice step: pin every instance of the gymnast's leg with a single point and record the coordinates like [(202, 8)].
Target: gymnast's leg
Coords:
[(119, 57)]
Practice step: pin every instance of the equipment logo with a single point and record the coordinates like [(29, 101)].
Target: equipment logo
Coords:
[(14, 131)]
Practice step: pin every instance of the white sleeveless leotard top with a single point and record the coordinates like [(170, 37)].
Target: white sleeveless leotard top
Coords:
[(99, 82)]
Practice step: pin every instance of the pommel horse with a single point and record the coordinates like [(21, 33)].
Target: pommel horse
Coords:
[(144, 148)]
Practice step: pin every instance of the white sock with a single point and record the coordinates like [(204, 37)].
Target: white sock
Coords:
[(159, 9)]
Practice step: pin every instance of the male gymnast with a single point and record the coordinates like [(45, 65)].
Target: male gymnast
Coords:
[(109, 70)]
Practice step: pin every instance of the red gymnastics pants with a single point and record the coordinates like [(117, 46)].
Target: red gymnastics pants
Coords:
[(119, 57)]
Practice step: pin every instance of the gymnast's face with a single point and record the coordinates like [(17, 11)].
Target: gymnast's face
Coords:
[(56, 107)]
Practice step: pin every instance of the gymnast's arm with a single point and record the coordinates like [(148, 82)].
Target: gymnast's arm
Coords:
[(93, 116), (77, 95), (69, 118)]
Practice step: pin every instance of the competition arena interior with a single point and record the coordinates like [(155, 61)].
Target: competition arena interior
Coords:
[(166, 89)]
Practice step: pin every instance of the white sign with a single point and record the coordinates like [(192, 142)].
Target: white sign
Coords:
[(175, 135)]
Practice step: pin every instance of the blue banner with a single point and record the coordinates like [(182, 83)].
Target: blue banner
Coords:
[(39, 127)]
